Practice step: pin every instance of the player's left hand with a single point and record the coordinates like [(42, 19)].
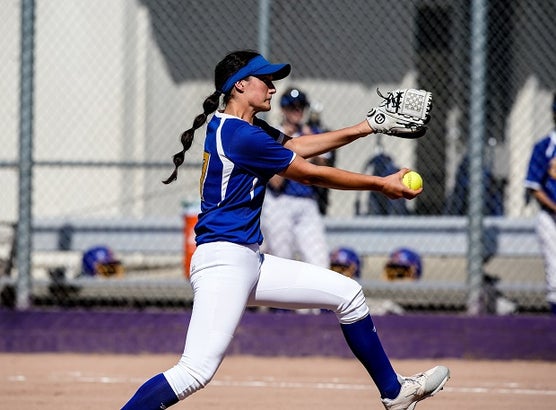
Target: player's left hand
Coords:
[(404, 113)]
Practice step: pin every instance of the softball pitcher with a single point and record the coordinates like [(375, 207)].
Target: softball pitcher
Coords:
[(229, 273)]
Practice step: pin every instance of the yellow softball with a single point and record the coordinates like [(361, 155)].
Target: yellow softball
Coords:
[(412, 180)]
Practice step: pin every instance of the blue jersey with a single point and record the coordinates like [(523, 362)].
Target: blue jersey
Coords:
[(538, 177), (298, 189), (238, 160), (294, 188)]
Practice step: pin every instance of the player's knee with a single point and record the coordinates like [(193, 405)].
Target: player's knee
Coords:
[(354, 307)]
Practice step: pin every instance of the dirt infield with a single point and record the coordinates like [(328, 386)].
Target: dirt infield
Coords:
[(74, 381)]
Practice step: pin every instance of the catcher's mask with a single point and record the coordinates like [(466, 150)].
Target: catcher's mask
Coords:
[(100, 261), (346, 261), (403, 264)]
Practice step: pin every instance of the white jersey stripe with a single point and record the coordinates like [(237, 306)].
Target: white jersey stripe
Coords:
[(227, 165)]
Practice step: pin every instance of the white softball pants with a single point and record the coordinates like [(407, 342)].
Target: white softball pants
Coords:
[(226, 278), (291, 225), (546, 231)]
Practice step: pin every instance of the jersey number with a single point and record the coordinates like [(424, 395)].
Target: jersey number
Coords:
[(206, 159)]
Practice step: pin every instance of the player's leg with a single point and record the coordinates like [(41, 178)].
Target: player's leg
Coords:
[(546, 230), (292, 284), (310, 234), (222, 276)]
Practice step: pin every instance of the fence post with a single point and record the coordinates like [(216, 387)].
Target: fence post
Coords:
[(24, 225), (475, 303)]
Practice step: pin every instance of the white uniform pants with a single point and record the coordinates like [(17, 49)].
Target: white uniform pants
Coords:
[(291, 225), (228, 277), (546, 231)]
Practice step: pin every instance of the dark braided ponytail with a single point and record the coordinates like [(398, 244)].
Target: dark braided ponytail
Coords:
[(209, 106), (223, 70)]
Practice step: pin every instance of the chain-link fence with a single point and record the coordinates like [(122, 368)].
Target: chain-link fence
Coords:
[(114, 83)]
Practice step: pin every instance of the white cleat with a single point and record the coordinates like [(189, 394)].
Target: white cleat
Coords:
[(418, 387)]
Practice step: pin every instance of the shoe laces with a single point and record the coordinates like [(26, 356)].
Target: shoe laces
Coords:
[(413, 381)]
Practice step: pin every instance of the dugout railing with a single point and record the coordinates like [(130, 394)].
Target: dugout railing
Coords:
[(152, 252)]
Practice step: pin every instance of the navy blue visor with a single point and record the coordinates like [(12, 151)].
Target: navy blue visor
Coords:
[(257, 66)]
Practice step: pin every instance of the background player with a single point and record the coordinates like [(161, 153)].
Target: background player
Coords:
[(540, 183), (100, 261), (403, 263), (228, 272), (346, 261), (291, 221)]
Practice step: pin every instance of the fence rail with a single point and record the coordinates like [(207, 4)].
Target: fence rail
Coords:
[(435, 236)]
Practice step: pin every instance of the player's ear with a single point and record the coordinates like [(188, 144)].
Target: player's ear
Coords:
[(240, 85)]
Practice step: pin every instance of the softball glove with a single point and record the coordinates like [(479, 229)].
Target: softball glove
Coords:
[(403, 113)]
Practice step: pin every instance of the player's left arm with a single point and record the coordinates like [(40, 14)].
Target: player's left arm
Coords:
[(311, 145), (403, 113)]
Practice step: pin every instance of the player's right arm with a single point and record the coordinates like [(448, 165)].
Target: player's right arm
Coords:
[(305, 172), (544, 200)]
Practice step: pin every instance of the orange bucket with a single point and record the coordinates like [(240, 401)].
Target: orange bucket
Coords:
[(189, 246)]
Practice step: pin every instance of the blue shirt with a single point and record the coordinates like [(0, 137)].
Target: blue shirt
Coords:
[(294, 188), (538, 178), (238, 160)]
